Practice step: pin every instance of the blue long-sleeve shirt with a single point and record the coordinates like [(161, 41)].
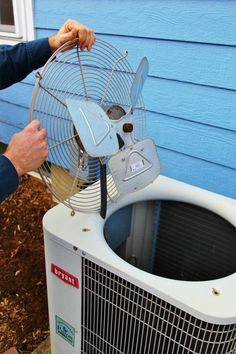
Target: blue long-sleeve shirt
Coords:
[(16, 62)]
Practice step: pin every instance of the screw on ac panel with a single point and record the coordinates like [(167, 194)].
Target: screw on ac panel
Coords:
[(75, 248), (83, 253), (215, 291), (123, 159)]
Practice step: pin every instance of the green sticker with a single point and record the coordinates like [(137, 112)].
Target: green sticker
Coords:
[(65, 330)]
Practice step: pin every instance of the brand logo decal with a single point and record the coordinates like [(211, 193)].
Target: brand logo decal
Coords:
[(65, 276), (65, 330)]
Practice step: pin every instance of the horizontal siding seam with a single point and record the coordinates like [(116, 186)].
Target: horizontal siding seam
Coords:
[(147, 111), (11, 125), (146, 38), (192, 83), (195, 157), (190, 121), (158, 147), (168, 79), (13, 104)]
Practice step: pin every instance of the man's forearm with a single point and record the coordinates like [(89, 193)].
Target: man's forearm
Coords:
[(9, 179), (17, 61)]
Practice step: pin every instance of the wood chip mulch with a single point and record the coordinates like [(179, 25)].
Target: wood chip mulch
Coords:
[(23, 297)]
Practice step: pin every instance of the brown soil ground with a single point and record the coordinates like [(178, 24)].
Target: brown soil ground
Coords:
[(23, 297)]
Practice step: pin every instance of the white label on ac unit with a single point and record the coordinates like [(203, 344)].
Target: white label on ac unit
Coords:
[(137, 166)]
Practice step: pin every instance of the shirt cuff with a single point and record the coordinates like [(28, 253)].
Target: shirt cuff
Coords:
[(9, 179)]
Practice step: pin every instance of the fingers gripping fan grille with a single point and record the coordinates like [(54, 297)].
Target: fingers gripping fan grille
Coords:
[(83, 100)]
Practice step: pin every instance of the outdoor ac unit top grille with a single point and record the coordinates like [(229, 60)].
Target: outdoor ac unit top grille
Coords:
[(119, 317)]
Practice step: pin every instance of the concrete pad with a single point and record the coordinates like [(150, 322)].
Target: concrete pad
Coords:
[(11, 351), (44, 348)]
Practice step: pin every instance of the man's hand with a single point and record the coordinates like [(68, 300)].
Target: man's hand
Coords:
[(71, 30), (27, 150)]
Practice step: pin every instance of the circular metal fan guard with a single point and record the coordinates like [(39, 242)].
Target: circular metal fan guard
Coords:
[(103, 76)]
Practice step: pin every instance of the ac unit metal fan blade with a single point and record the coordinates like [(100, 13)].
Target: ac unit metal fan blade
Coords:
[(139, 80), (94, 127)]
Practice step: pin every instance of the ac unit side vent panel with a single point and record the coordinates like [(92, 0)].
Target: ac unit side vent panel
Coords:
[(194, 243), (120, 318)]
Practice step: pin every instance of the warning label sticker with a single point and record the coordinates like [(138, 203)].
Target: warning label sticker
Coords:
[(65, 330)]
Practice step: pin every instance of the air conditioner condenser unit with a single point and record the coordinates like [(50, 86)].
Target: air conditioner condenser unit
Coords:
[(156, 277)]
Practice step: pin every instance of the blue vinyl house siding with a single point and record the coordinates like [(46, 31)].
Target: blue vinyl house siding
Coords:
[(190, 93)]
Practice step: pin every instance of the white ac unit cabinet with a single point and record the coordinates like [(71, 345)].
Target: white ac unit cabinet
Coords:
[(157, 276)]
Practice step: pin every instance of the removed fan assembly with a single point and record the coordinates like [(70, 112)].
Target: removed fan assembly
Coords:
[(90, 103)]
